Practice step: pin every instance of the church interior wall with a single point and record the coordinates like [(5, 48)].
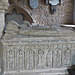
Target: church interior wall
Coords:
[(42, 15)]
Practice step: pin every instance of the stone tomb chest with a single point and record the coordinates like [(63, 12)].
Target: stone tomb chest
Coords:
[(37, 50)]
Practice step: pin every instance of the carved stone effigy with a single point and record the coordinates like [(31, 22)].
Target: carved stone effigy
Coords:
[(46, 53)]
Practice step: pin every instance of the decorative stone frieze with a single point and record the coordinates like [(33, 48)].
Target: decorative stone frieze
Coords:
[(37, 52)]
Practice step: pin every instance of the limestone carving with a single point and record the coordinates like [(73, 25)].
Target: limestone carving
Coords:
[(48, 48), (66, 57), (40, 58), (30, 59), (57, 58), (20, 59), (49, 59), (10, 60), (12, 28)]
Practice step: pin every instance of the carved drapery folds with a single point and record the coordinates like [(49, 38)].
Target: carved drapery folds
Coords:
[(49, 58), (10, 57), (20, 59), (30, 58), (3, 6), (57, 58), (66, 56)]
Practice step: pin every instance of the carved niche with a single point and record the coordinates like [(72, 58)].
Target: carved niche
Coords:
[(10, 58), (57, 58), (49, 59), (66, 57), (20, 59), (30, 58)]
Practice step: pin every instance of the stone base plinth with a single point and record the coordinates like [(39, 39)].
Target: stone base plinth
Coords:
[(60, 71)]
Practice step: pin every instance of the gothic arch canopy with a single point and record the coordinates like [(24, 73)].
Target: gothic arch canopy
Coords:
[(19, 10)]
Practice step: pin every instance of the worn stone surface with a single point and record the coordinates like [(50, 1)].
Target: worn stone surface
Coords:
[(3, 6), (41, 51)]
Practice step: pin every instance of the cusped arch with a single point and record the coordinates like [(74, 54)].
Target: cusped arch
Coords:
[(20, 10)]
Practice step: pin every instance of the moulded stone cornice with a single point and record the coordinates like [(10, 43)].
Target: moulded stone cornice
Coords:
[(2, 11), (3, 5)]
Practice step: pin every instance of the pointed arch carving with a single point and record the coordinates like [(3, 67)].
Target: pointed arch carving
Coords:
[(19, 10)]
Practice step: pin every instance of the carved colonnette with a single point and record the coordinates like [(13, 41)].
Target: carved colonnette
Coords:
[(35, 49), (37, 54)]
